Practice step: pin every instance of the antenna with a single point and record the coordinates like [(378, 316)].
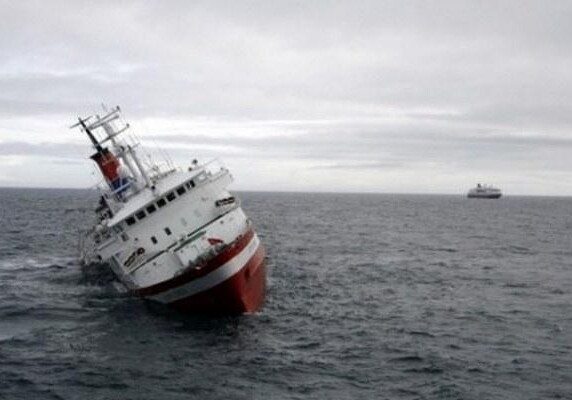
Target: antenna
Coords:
[(110, 116), (87, 130)]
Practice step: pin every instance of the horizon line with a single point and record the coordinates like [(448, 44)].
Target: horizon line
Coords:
[(303, 192)]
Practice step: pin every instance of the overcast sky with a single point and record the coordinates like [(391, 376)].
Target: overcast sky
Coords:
[(372, 96)]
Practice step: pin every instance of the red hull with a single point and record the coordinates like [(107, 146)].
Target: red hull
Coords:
[(241, 292)]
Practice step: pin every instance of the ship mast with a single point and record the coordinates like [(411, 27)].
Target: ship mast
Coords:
[(126, 152), (110, 163), (89, 133)]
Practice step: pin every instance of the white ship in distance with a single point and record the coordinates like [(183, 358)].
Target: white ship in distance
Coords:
[(484, 191)]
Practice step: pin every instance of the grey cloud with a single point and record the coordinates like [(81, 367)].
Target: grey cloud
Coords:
[(269, 59), (366, 137), (63, 150), (383, 147), (380, 165), (452, 83), (71, 162)]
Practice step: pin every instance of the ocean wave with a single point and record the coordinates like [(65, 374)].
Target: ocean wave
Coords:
[(396, 297)]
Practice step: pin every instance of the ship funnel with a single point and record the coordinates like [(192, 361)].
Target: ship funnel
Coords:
[(109, 166), (105, 159)]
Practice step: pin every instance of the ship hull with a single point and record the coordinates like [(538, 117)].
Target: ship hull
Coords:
[(236, 295), (484, 196), (234, 282)]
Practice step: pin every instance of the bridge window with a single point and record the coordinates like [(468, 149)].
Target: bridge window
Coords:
[(181, 190), (171, 196), (151, 209), (130, 220), (161, 203), (140, 215)]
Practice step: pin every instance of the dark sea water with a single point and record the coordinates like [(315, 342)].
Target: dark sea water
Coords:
[(370, 297)]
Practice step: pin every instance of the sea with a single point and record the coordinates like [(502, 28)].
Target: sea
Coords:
[(370, 296)]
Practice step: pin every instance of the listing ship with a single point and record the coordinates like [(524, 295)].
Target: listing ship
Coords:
[(482, 191), (171, 235)]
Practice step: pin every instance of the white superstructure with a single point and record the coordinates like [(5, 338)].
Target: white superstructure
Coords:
[(160, 225)]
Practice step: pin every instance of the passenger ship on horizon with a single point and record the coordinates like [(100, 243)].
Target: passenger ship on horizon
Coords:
[(483, 191), (174, 236)]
